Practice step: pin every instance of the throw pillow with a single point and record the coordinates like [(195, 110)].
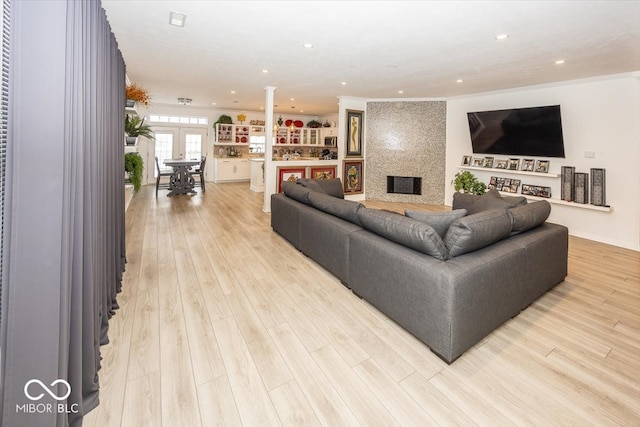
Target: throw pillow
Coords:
[(440, 221), (477, 231), (463, 200), (408, 232), (296, 192), (490, 200), (529, 216), (332, 187), (311, 184)]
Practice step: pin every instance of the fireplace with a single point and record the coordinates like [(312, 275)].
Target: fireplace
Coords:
[(404, 185)]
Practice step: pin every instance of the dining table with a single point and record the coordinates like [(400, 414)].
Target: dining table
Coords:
[(181, 181)]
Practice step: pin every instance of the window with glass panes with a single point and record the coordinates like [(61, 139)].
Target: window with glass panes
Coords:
[(164, 149)]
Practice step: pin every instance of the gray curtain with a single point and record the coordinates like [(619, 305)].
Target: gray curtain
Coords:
[(63, 234)]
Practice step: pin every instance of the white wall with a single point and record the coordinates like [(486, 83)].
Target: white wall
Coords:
[(600, 115)]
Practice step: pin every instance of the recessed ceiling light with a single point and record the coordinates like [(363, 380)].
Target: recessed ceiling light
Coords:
[(459, 81), (233, 91), (502, 36), (291, 99), (307, 45), (401, 91), (213, 103), (265, 71), (177, 19), (560, 62), (343, 83), (302, 111)]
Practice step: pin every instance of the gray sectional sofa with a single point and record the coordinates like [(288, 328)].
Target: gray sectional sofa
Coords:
[(449, 278)]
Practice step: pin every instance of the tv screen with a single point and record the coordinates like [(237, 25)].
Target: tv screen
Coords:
[(535, 131)]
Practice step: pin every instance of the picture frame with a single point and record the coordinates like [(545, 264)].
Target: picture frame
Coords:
[(478, 162), (488, 162), (353, 176), (527, 165), (536, 190), (323, 172), (501, 164), (466, 161), (512, 187), (542, 166), (355, 121), (290, 174), (514, 164)]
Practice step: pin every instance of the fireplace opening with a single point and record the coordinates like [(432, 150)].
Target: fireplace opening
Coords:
[(404, 185)]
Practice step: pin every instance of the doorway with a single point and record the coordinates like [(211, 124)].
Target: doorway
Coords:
[(176, 143)]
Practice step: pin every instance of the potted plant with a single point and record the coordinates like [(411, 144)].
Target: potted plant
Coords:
[(134, 165), (136, 93), (224, 119), (134, 127), (466, 182)]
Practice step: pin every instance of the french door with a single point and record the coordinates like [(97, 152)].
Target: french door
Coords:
[(176, 143)]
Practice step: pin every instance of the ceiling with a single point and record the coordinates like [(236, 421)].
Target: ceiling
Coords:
[(377, 48)]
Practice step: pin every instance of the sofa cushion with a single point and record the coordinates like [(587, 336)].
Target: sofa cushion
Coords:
[(529, 216), (409, 232), (463, 200), (440, 221), (493, 200), (477, 231), (332, 187), (296, 192), (345, 209)]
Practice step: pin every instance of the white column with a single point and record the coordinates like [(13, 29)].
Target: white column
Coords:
[(269, 172)]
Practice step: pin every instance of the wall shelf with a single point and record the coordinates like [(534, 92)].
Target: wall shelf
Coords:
[(563, 202), (544, 175)]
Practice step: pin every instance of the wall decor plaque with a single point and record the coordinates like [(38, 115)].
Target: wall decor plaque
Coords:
[(582, 188), (598, 187), (567, 185)]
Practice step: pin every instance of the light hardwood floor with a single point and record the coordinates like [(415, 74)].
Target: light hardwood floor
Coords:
[(223, 322)]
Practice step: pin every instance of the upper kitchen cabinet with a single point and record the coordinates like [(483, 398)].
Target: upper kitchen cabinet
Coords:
[(236, 134)]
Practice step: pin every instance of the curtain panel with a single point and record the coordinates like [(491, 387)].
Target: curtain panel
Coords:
[(64, 253)]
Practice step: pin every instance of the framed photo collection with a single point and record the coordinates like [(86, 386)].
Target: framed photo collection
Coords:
[(521, 166)]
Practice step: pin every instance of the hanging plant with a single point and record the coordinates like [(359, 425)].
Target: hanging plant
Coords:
[(137, 93), (134, 165)]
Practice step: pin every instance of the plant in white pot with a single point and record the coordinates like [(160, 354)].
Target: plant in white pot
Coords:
[(466, 182)]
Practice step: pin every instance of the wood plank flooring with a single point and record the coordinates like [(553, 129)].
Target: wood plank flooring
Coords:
[(222, 322)]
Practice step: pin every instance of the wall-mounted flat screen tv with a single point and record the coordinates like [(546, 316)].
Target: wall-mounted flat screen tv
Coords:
[(535, 131)]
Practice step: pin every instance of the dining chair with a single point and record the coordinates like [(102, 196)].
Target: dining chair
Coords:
[(160, 173), (199, 171)]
